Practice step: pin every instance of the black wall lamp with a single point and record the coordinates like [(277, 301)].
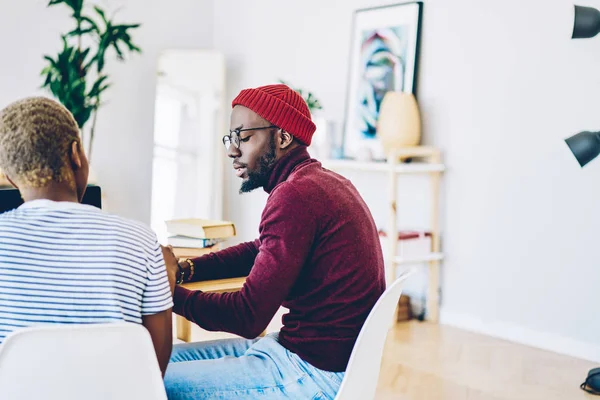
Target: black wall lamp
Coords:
[(585, 146)]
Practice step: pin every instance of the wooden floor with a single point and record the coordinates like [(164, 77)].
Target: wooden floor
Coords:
[(425, 361)]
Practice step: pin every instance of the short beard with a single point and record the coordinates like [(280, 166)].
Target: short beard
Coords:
[(260, 177)]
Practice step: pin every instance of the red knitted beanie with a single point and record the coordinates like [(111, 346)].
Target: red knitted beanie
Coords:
[(282, 107)]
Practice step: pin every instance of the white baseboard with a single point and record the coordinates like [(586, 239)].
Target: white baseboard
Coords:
[(518, 334)]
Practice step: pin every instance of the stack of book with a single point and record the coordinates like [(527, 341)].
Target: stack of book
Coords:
[(194, 237)]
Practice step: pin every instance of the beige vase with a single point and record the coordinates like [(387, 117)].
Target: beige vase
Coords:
[(399, 123)]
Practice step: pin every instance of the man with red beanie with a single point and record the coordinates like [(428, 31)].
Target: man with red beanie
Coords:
[(318, 255)]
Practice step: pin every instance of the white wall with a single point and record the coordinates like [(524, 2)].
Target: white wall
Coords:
[(122, 156), (500, 86)]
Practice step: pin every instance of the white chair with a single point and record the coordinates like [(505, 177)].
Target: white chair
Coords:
[(73, 362), (362, 373)]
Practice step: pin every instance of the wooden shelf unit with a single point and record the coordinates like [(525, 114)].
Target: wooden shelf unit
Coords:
[(424, 160)]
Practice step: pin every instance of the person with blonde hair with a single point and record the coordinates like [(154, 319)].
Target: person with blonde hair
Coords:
[(62, 262)]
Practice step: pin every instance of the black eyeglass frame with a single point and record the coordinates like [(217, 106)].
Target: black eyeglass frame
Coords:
[(236, 140)]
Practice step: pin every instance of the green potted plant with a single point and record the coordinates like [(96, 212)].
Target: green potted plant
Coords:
[(311, 101), (323, 145), (76, 76)]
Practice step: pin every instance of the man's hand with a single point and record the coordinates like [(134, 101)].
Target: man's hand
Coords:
[(172, 268)]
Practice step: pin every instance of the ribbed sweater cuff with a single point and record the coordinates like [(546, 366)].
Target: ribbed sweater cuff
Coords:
[(179, 299)]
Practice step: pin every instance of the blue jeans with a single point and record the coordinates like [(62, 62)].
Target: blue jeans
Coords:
[(245, 369)]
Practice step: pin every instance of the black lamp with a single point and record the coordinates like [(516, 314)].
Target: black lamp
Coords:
[(587, 22), (585, 146)]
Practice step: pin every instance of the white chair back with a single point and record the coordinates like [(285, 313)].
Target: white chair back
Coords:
[(73, 362), (362, 373)]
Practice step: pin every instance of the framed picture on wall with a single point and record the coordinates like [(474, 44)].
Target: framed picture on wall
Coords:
[(383, 57)]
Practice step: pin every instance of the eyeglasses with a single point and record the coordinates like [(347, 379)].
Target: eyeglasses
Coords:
[(234, 136)]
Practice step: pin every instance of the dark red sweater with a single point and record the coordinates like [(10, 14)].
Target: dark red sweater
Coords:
[(318, 254)]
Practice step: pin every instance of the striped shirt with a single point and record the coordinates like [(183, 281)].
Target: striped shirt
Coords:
[(69, 263)]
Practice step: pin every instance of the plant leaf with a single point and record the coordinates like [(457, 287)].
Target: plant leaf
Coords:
[(80, 32), (75, 5), (118, 50), (101, 13), (92, 23), (97, 88)]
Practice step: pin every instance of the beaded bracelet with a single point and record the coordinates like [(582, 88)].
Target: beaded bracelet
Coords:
[(181, 274), (192, 268)]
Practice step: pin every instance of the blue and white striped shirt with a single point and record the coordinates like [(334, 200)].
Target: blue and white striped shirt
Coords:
[(69, 263)]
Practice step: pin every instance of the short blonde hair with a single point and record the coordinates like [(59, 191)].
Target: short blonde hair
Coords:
[(36, 134)]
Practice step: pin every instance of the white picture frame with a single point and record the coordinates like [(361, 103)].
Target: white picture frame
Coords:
[(383, 57)]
